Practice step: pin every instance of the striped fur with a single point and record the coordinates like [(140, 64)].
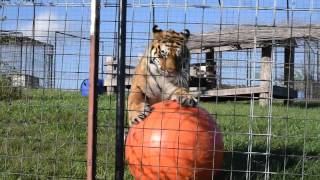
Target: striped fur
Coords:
[(162, 74)]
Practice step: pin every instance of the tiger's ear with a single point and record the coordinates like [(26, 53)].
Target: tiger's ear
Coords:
[(156, 32), (155, 29), (185, 33)]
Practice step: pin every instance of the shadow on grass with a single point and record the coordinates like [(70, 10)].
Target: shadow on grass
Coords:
[(237, 164), (306, 104)]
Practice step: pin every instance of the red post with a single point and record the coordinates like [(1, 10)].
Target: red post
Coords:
[(93, 93)]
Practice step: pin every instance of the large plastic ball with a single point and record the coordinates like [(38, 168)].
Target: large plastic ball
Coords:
[(175, 142)]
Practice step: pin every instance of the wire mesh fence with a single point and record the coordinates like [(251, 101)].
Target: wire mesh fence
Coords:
[(254, 67)]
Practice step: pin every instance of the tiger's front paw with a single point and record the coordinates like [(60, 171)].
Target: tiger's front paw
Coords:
[(139, 116), (186, 100)]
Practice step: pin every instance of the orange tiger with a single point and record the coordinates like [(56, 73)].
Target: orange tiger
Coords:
[(162, 74)]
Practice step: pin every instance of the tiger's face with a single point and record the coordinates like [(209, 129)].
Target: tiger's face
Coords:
[(169, 53)]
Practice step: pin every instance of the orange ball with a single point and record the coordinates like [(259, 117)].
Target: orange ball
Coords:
[(175, 142)]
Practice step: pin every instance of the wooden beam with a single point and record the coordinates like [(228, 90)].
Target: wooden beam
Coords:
[(278, 92), (230, 92), (225, 48)]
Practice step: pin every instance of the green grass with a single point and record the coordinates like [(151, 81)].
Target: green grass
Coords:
[(43, 135), (289, 140)]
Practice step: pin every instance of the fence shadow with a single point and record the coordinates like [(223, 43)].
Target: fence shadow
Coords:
[(306, 104), (237, 164)]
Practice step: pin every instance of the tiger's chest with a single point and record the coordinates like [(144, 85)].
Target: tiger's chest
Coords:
[(160, 87)]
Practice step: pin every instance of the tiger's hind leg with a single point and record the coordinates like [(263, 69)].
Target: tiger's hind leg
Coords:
[(138, 107)]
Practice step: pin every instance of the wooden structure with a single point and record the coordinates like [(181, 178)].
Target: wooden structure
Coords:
[(28, 81), (26, 61), (110, 81), (250, 37)]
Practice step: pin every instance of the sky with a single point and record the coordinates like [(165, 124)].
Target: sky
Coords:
[(54, 18)]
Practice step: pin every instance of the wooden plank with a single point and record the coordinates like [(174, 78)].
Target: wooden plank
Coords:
[(113, 82), (251, 35), (230, 92), (241, 46), (278, 92)]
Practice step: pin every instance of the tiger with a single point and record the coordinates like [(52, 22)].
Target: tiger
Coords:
[(162, 73)]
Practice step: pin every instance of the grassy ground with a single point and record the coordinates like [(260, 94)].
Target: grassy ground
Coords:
[(289, 140), (43, 136)]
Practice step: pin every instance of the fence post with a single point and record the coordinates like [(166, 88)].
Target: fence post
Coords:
[(119, 170), (93, 90), (265, 76)]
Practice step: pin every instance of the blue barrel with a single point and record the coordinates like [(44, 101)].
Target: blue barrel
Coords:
[(85, 87)]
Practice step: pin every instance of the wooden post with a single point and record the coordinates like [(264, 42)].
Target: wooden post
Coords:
[(265, 76), (289, 69), (211, 72)]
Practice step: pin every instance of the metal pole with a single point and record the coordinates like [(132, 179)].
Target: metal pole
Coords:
[(153, 14), (288, 17), (93, 93), (33, 41), (52, 69), (21, 56), (45, 81), (318, 62), (55, 59), (119, 170)]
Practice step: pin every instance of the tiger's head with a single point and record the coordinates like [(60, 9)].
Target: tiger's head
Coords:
[(169, 52)]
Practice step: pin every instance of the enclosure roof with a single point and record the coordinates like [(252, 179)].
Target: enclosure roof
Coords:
[(244, 37), (12, 37)]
